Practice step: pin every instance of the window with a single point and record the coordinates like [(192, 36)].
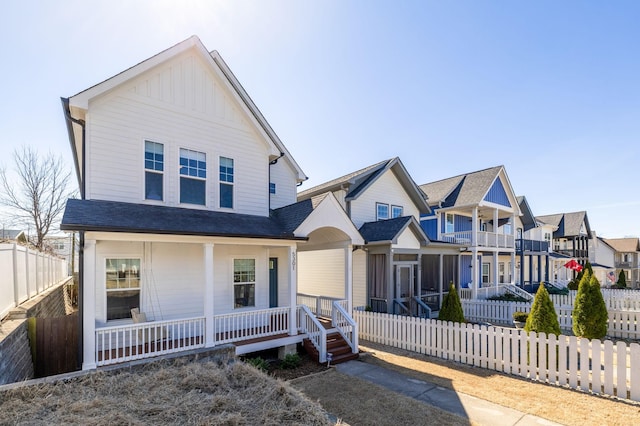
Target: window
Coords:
[(501, 272), (507, 229), (547, 237), (272, 188), (123, 287), (193, 176), (448, 223), (396, 211), (153, 168), (382, 211), (486, 269), (226, 182), (244, 282)]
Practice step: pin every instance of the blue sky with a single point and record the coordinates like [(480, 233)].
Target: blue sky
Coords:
[(551, 90)]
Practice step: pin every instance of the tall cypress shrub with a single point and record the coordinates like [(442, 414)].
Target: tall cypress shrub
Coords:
[(622, 280), (590, 314), (451, 309), (543, 317)]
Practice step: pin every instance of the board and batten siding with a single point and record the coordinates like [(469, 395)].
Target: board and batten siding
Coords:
[(386, 189), (321, 273), (181, 104)]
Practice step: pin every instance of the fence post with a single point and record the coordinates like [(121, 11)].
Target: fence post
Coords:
[(26, 267), (16, 289)]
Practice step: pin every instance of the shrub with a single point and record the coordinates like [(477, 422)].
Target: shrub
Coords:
[(451, 309), (589, 312), (508, 297), (543, 317), (520, 316), (290, 361), (258, 363), (622, 280)]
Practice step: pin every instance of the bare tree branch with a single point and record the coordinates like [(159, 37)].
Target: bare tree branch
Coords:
[(40, 191)]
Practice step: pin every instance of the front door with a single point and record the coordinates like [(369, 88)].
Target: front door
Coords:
[(273, 282)]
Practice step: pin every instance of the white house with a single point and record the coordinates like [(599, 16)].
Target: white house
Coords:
[(398, 269), (189, 229)]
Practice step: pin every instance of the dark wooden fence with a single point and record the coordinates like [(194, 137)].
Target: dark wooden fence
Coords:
[(54, 344)]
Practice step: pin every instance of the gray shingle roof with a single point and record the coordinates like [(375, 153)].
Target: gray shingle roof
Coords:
[(358, 177), (462, 190), (624, 245), (291, 216), (569, 224), (113, 216), (389, 230)]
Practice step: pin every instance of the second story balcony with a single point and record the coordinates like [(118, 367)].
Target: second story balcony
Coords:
[(483, 239), (531, 246)]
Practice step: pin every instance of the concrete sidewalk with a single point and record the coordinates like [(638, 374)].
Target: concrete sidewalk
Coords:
[(467, 406)]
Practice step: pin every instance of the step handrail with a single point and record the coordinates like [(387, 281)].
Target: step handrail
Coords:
[(423, 306), (346, 326), (402, 306), (316, 333), (510, 288)]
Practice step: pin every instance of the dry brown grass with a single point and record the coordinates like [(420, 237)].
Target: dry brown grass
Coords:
[(358, 402), (561, 405), (176, 392)]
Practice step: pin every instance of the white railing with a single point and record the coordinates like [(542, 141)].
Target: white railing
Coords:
[(316, 333), (483, 239), (25, 274), (567, 361), (319, 305), (463, 237), (517, 291), (136, 341), (623, 300), (465, 293), (624, 324), (239, 326), (345, 325)]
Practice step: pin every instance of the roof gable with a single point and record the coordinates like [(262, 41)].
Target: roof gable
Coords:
[(390, 230), (527, 217), (568, 224), (624, 245)]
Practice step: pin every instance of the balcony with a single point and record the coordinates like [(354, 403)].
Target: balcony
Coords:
[(531, 246), (483, 239)]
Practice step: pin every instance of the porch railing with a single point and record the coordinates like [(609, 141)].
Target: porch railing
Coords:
[(320, 305), (379, 304), (240, 326), (130, 342), (345, 325), (483, 239), (424, 311), (316, 333), (404, 310), (487, 292)]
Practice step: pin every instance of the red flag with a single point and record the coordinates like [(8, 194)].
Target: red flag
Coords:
[(573, 265)]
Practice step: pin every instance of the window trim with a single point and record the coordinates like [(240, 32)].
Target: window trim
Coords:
[(446, 223), (231, 184), (234, 284), (482, 275), (393, 207), (197, 178), (105, 291), (378, 205), (272, 188), (161, 173)]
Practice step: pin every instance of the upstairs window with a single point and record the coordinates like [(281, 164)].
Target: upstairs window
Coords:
[(448, 223), (153, 170), (396, 211), (382, 211), (226, 182), (193, 176), (272, 188)]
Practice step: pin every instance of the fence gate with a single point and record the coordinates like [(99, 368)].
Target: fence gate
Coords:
[(54, 344)]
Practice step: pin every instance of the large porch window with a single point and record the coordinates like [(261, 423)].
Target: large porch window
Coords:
[(486, 270), (123, 287), (244, 282)]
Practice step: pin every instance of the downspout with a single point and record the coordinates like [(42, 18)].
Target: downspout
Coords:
[(82, 180), (271, 163)]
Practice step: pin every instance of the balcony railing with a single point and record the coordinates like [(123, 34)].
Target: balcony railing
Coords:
[(531, 246), (483, 239)]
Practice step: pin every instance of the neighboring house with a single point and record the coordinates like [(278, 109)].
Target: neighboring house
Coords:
[(185, 217), (627, 259), (571, 237), (602, 258), (479, 211), (62, 245), (13, 235), (398, 269), (533, 249)]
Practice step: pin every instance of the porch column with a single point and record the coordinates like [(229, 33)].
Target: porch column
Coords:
[(348, 276), (209, 337), (293, 291), (513, 268), (495, 227), (89, 306), (441, 278), (475, 284), (474, 228), (495, 269)]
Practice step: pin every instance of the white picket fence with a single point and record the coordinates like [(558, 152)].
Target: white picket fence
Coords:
[(622, 323), (25, 273), (617, 300), (591, 366)]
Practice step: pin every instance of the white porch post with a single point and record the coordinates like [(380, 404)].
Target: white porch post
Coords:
[(474, 227), (495, 228), (293, 290), (441, 278), (89, 306), (495, 269), (513, 267), (209, 338), (474, 252), (348, 276)]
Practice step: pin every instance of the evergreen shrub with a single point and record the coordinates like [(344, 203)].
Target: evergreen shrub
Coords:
[(451, 309), (590, 314)]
